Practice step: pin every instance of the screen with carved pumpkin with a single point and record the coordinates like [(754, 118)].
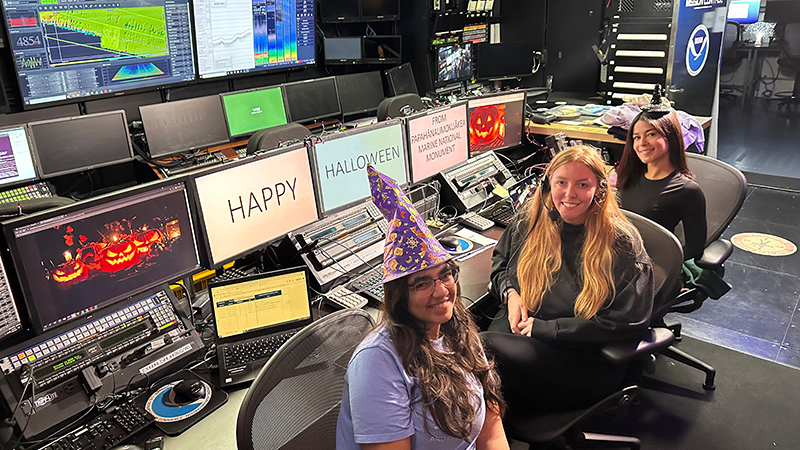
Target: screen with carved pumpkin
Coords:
[(74, 260), (496, 121)]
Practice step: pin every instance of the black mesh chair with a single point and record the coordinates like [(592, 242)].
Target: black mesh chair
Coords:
[(294, 402), (725, 188), (790, 59), (399, 106)]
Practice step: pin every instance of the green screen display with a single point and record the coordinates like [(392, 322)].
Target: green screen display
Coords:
[(251, 111)]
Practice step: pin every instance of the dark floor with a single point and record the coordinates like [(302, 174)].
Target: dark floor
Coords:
[(761, 314)]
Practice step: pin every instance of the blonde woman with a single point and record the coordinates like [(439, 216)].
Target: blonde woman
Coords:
[(572, 274)]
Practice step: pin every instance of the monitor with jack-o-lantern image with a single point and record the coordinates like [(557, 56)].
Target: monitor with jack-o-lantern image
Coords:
[(496, 121), (73, 260)]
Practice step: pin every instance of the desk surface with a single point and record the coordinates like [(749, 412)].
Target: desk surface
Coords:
[(218, 430), (585, 132)]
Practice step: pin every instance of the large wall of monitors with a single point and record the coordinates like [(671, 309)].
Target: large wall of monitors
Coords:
[(340, 163), (238, 37), (73, 260), (185, 125), (244, 205), (253, 110), (496, 121), (17, 158), (437, 140), (360, 92), (74, 144), (66, 50), (312, 99)]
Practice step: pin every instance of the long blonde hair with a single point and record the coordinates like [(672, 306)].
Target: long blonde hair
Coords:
[(540, 257)]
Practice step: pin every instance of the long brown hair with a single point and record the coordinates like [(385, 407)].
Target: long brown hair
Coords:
[(540, 257), (631, 168), (442, 375)]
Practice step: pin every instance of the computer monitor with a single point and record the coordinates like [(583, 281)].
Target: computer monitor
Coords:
[(10, 321), (454, 63), (17, 158), (310, 100), (782, 11), (744, 11), (401, 80), (65, 51), (249, 111), (503, 61), (245, 37), (244, 205), (383, 49), (360, 92), (78, 258), (343, 50), (184, 125), (437, 140), (340, 163), (496, 121), (73, 144), (336, 11), (376, 10)]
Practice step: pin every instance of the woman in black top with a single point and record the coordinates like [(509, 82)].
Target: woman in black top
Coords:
[(574, 275), (654, 181)]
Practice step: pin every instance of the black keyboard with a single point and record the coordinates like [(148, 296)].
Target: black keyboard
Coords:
[(502, 217), (255, 350), (114, 426), (230, 274), (368, 284)]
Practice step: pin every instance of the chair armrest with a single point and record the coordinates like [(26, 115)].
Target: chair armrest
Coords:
[(626, 351), (715, 254)]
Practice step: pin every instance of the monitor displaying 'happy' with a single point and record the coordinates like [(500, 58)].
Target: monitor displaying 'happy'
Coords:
[(247, 205)]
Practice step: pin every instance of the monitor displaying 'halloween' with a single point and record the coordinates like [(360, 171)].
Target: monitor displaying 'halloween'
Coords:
[(496, 122), (74, 260), (341, 162), (247, 205)]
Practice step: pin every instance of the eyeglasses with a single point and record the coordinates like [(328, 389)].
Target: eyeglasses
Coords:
[(425, 286)]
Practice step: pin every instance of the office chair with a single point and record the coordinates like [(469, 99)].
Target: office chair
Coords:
[(725, 189), (294, 402), (790, 59), (273, 137), (399, 106), (731, 57)]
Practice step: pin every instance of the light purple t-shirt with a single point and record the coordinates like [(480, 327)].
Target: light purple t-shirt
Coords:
[(378, 404)]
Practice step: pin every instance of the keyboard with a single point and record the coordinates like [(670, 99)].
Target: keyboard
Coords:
[(368, 284), (345, 298), (114, 426), (502, 217), (230, 274), (36, 190), (255, 350), (195, 163)]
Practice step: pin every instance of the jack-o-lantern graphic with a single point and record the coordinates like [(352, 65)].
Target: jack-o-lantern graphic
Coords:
[(487, 126), (117, 256), (145, 240), (70, 272)]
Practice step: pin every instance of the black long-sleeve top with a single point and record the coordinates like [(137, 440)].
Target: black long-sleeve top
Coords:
[(627, 316), (667, 202)]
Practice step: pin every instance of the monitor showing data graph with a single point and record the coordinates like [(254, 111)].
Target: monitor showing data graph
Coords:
[(243, 36), (67, 50)]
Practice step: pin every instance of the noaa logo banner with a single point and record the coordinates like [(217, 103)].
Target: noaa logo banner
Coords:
[(697, 50)]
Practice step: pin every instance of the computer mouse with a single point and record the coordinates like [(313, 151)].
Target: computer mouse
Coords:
[(127, 447), (186, 391), (449, 242)]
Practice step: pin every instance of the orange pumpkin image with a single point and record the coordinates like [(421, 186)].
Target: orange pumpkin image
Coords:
[(121, 255), (146, 239), (487, 124), (71, 272)]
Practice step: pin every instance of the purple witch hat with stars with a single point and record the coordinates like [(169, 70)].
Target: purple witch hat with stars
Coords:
[(410, 246)]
